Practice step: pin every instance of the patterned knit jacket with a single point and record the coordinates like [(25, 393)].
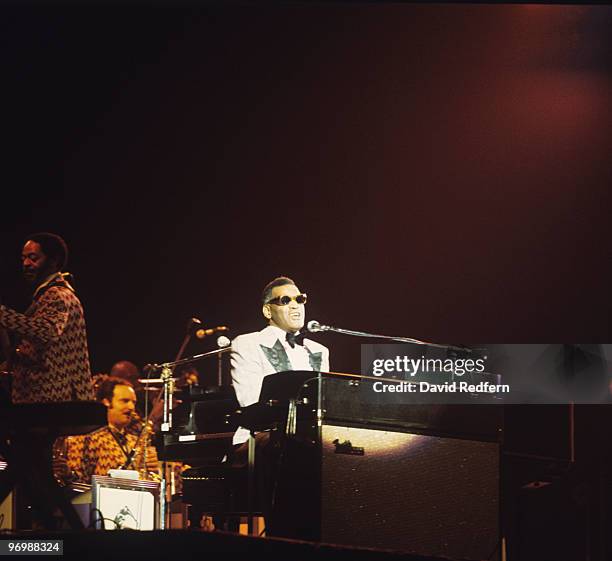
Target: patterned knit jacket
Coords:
[(51, 362), (102, 450)]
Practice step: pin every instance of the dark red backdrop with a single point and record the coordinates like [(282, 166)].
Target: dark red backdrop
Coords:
[(436, 171)]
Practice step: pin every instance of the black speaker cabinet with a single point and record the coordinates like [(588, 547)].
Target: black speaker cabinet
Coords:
[(425, 494)]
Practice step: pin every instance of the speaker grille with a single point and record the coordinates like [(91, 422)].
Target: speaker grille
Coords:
[(425, 494)]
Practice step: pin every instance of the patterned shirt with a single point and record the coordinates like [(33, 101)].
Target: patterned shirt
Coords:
[(51, 362)]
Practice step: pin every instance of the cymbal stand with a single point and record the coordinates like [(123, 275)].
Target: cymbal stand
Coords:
[(166, 425)]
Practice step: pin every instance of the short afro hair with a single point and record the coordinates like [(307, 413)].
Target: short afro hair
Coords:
[(53, 246), (278, 281)]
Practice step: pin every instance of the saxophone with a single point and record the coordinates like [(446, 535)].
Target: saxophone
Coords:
[(143, 450)]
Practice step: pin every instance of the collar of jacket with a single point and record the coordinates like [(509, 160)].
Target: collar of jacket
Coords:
[(55, 279)]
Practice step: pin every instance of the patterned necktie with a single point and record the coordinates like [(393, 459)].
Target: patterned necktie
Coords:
[(295, 339), (121, 439)]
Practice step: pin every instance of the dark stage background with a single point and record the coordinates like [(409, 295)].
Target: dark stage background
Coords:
[(435, 171)]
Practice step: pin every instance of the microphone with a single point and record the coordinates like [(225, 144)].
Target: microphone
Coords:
[(314, 326), (203, 332), (223, 342), (149, 368)]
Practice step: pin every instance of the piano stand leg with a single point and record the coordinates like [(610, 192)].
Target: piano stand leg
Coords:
[(251, 481)]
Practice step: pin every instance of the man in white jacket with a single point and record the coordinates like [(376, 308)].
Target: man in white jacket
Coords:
[(278, 347)]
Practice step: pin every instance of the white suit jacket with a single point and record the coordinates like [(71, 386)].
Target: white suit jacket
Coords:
[(255, 355)]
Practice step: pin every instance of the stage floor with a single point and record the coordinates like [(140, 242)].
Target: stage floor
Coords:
[(182, 545)]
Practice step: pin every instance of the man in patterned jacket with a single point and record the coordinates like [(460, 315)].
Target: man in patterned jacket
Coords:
[(50, 361), (114, 446)]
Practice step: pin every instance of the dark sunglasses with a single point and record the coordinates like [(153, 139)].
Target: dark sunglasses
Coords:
[(284, 300)]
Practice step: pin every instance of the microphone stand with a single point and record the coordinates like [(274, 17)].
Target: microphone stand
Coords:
[(221, 345), (390, 338), (168, 391), (166, 370)]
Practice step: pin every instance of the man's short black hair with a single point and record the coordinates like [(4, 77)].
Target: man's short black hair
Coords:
[(278, 281), (53, 246), (106, 389)]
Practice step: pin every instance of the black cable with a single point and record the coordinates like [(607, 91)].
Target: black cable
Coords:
[(92, 523)]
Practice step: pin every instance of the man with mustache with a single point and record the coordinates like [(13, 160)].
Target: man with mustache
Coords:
[(113, 446), (50, 360)]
